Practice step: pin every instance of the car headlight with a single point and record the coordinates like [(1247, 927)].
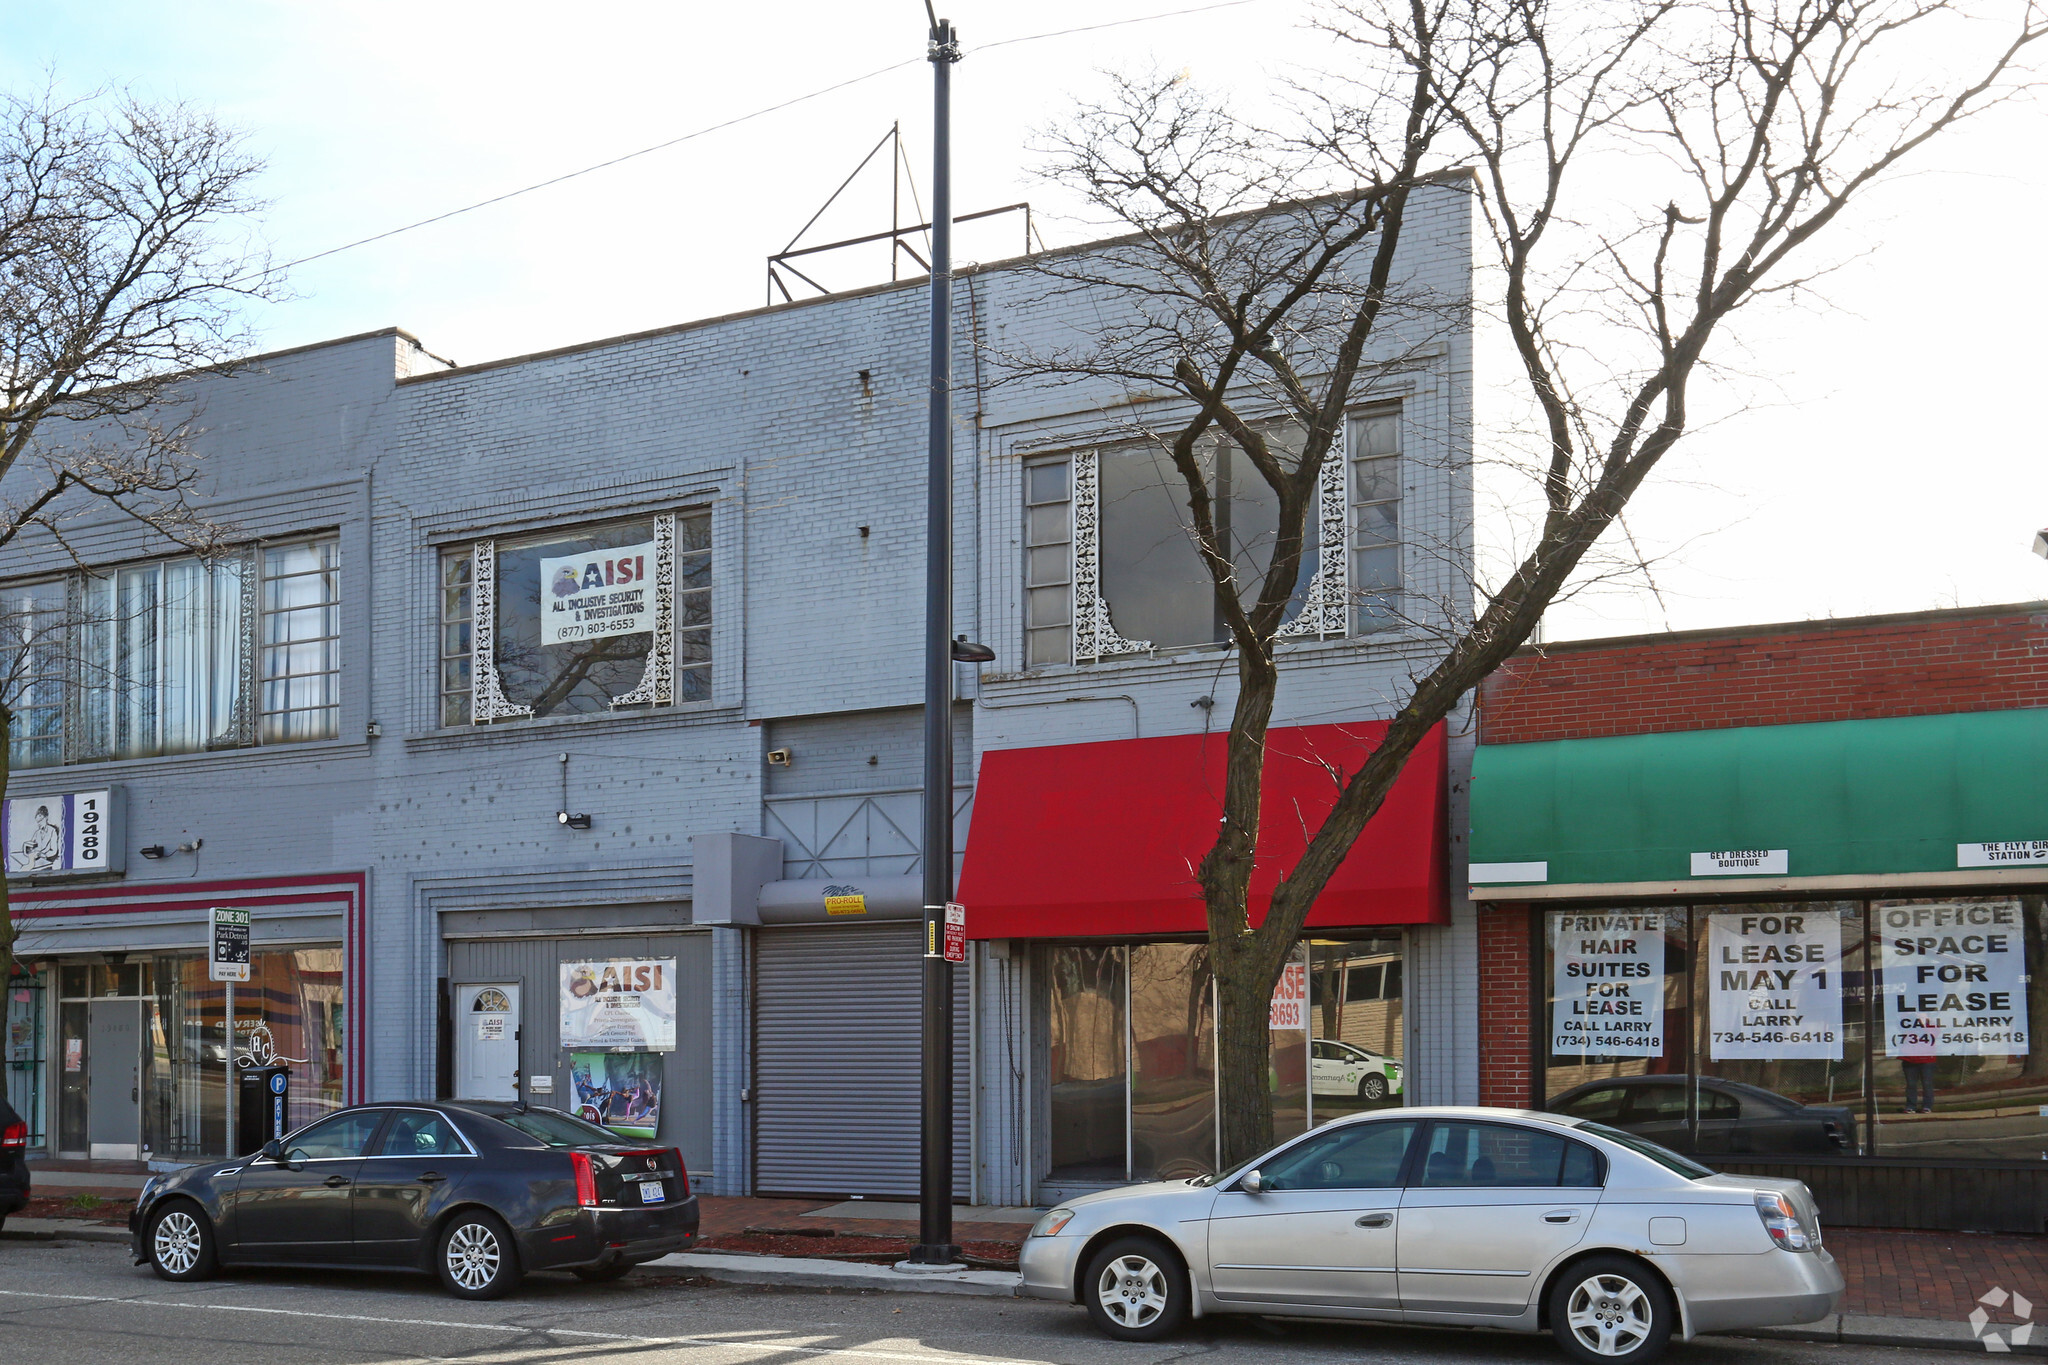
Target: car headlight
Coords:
[(1051, 1223)]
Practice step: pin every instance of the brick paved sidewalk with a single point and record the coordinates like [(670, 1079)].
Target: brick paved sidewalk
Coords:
[(1940, 1275)]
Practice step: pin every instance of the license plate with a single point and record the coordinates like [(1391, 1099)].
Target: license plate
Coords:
[(651, 1192)]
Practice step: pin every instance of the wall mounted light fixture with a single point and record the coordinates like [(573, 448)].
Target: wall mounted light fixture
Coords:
[(577, 820), (154, 851)]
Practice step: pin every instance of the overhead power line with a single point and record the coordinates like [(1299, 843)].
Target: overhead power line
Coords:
[(721, 127)]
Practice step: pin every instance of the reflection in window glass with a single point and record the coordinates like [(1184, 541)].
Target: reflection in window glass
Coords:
[(1152, 576), (1173, 1062), (1087, 1065), (1500, 1155), (1355, 1021)]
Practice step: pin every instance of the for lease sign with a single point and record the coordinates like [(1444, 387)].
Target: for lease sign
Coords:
[(1954, 979), (1774, 984), (1607, 992)]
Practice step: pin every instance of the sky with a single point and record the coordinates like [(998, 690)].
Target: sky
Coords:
[(1884, 453)]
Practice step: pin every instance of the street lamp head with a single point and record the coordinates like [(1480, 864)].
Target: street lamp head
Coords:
[(2041, 543), (966, 651)]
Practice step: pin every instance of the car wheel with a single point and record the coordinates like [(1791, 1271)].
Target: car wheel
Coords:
[(1136, 1290), (598, 1274), (1372, 1088), (181, 1242), (477, 1259), (1610, 1309)]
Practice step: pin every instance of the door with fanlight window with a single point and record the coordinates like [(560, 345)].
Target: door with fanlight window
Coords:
[(487, 1041)]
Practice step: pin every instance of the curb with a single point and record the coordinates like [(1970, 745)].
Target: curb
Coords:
[(806, 1273), (59, 1229), (1856, 1329)]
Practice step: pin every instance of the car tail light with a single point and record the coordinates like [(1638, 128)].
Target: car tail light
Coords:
[(1782, 1221), (586, 1179), (1834, 1132), (14, 1135)]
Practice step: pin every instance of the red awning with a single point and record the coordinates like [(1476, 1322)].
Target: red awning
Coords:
[(1103, 839)]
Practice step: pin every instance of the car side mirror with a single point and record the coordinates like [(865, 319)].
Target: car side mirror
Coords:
[(272, 1150), (1251, 1182)]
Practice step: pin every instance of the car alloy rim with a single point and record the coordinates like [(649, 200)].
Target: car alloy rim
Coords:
[(1132, 1291), (177, 1241), (473, 1256), (1374, 1087), (1609, 1314)]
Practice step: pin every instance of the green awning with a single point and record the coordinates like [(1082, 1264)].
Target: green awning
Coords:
[(1859, 797)]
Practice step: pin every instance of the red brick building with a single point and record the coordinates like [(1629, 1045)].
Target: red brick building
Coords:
[(1846, 776)]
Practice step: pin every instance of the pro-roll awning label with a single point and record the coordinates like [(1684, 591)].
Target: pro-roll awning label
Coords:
[(1608, 984), (1954, 979)]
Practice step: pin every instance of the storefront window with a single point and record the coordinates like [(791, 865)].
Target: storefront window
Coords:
[(1087, 1070), (1896, 1028), (1956, 1071), (1780, 1002), (1615, 1011), (24, 1048), (290, 1009), (1130, 1036)]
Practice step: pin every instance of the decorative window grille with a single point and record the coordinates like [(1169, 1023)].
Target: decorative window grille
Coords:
[(497, 663), (1351, 573)]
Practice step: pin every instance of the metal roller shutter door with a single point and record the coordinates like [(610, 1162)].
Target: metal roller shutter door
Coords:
[(836, 1061)]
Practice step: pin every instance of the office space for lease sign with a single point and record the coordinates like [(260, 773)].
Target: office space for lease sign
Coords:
[(1607, 990), (1955, 979), (1774, 984)]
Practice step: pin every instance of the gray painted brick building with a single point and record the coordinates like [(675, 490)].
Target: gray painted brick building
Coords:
[(430, 798)]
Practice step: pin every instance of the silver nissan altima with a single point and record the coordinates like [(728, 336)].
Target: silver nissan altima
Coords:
[(1458, 1216)]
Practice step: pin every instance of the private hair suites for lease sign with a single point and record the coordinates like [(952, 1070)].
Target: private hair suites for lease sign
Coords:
[(1607, 995)]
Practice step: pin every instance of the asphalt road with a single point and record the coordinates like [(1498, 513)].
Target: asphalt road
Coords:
[(83, 1302)]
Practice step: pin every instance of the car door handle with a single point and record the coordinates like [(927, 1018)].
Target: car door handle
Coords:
[(1377, 1220), (431, 1178), (335, 1182), (1561, 1216)]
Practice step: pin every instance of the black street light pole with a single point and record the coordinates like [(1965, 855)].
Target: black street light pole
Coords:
[(935, 1186)]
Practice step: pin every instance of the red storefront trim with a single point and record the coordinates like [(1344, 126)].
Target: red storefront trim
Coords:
[(347, 892), (1091, 840)]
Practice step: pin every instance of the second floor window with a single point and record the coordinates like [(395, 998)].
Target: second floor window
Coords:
[(577, 621), (1111, 565), (175, 655)]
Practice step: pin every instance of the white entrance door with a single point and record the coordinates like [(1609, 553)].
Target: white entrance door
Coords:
[(487, 1041)]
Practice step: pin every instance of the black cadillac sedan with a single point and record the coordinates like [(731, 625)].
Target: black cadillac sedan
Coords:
[(475, 1191)]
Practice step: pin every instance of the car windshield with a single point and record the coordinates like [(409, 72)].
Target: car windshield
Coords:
[(553, 1127), (1663, 1156)]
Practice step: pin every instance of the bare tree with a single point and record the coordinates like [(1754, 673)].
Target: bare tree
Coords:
[(1259, 290), (119, 279)]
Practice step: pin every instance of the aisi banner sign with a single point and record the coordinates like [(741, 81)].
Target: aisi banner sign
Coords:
[(1955, 979), (597, 594), (1608, 984), (1774, 984)]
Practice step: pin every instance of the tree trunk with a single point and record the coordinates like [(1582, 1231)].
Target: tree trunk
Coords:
[(1243, 1066)]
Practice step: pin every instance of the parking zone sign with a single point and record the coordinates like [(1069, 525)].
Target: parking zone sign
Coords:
[(228, 953), (956, 932)]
